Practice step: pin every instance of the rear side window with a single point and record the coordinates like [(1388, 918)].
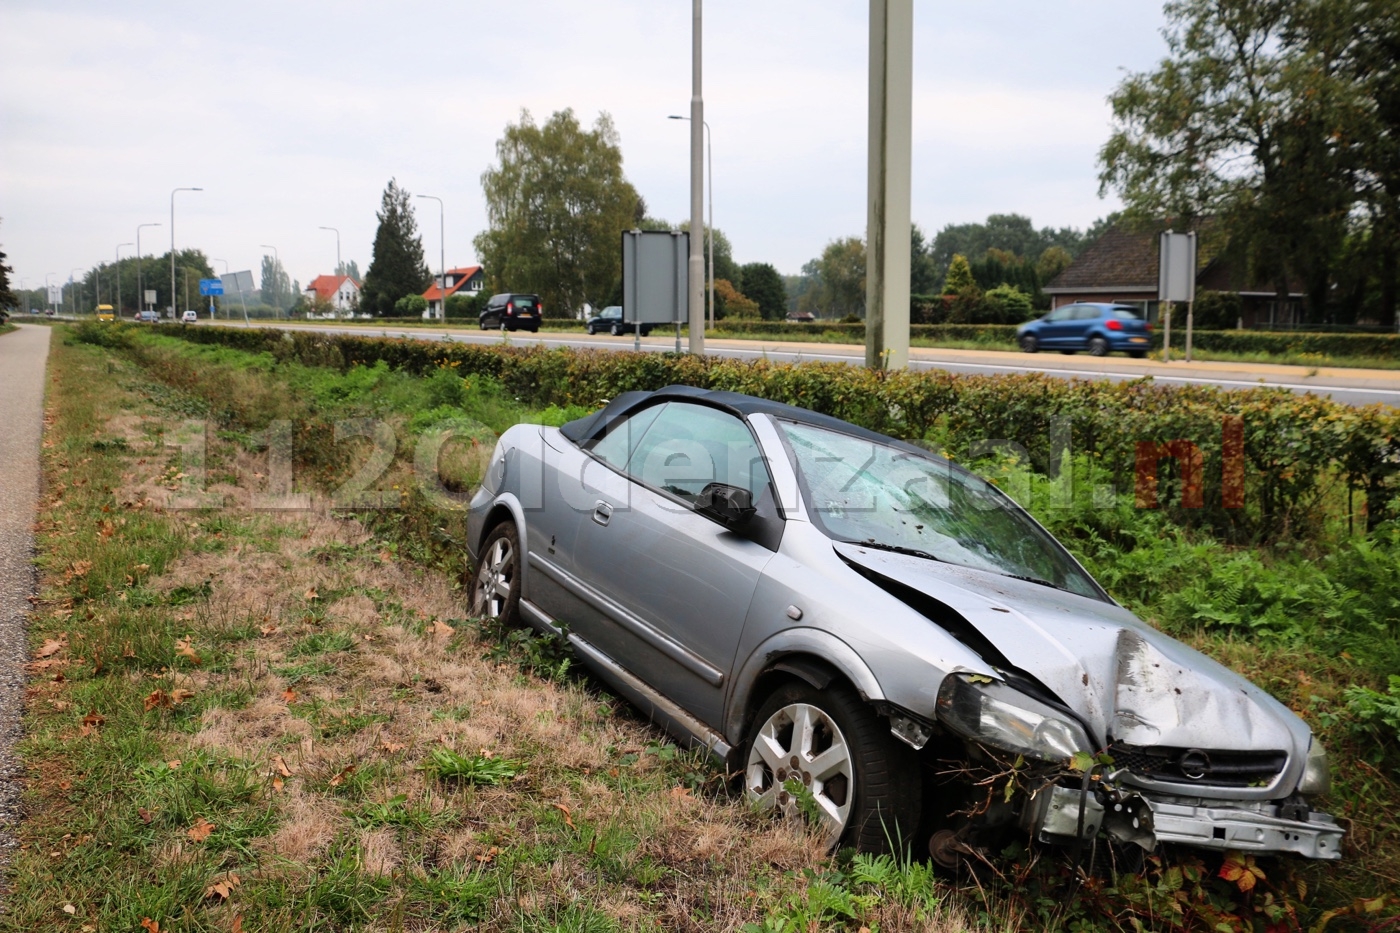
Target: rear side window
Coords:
[(690, 446), (524, 301), (1126, 314), (1085, 313)]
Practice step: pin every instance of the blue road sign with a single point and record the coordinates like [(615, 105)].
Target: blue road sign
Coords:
[(211, 286)]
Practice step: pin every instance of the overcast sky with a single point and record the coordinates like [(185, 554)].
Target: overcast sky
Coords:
[(294, 115)]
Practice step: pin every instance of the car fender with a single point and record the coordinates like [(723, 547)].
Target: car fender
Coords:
[(488, 511), (812, 642)]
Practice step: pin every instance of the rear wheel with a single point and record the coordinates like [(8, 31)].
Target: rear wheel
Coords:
[(826, 753), (1029, 343), (496, 590), (504, 328), (617, 330), (591, 330), (1098, 346)]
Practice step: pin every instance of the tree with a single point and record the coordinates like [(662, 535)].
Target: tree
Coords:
[(7, 297), (761, 282), (350, 267), (839, 286), (959, 276), (556, 205), (736, 304), (1052, 262), (923, 271), (396, 267), (1011, 233), (275, 286), (1252, 119)]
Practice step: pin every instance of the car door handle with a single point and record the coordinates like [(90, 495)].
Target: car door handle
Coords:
[(602, 512)]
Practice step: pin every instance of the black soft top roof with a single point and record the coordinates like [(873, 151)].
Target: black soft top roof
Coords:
[(598, 423)]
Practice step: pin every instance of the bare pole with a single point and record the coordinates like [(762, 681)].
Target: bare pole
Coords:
[(696, 304), (140, 292), (337, 247), (117, 284), (889, 169), (710, 180)]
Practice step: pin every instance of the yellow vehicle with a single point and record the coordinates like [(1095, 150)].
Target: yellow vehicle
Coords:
[(104, 313)]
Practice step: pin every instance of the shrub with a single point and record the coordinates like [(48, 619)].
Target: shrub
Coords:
[(1217, 310), (411, 306), (1006, 304)]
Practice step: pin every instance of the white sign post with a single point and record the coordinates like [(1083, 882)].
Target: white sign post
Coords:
[(1176, 281)]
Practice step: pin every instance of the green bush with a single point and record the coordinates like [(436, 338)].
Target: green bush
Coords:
[(466, 307), (1295, 450), (411, 306), (1007, 304)]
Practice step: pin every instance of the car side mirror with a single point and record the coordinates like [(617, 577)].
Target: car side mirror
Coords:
[(731, 506)]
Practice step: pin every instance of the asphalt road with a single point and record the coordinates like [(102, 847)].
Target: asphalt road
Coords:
[(23, 355), (1349, 386)]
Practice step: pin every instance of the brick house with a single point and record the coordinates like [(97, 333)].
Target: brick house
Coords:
[(341, 291), (468, 280), (1122, 267)]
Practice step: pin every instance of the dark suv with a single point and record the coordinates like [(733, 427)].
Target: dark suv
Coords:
[(610, 319), (512, 311)]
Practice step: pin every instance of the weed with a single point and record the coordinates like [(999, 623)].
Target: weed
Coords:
[(447, 765)]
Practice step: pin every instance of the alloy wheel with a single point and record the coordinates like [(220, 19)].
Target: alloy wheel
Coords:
[(494, 580), (801, 742)]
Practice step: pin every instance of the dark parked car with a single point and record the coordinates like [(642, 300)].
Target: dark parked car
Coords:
[(1098, 328), (512, 311), (876, 637), (610, 320)]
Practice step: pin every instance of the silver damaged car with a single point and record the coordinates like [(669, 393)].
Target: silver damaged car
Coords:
[(864, 631)]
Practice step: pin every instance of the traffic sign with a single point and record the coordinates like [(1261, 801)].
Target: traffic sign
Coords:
[(211, 287)]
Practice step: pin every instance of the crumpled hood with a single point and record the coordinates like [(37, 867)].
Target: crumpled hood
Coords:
[(1129, 681)]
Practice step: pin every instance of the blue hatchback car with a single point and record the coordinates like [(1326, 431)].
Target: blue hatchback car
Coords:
[(1098, 328)]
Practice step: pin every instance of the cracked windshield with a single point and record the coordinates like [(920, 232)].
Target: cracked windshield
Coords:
[(866, 493)]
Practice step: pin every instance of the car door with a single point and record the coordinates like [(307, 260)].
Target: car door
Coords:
[(674, 586), (1055, 326), (1086, 317)]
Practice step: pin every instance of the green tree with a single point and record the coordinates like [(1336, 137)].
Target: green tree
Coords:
[(1249, 119), (923, 271), (411, 306), (1053, 261), (1006, 304), (959, 277), (350, 267), (556, 205), (838, 289), (8, 299), (763, 283), (1011, 233), (275, 285), (396, 267)]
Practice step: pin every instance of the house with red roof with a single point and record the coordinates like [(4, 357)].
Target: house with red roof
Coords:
[(341, 291), (467, 280)]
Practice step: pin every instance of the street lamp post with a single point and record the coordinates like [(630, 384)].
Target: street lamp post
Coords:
[(337, 247), (117, 279), (140, 293), (73, 291), (442, 256), (710, 183), (47, 285), (225, 262), (276, 275), (172, 244)]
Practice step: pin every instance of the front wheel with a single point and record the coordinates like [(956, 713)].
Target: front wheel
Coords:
[(590, 330), (617, 330), (1029, 343), (496, 590), (1098, 347), (827, 754)]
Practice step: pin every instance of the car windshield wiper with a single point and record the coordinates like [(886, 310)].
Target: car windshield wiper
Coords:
[(897, 549), (1053, 586)]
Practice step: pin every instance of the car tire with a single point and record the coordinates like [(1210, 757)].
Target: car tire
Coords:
[(591, 330), (504, 328), (482, 324), (617, 330), (1098, 346), (869, 797), (1030, 343), (496, 588)]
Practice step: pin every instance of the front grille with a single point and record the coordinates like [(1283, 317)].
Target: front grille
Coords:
[(1199, 766)]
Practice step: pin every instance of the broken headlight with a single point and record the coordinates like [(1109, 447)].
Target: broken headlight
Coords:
[(1317, 776), (1003, 717)]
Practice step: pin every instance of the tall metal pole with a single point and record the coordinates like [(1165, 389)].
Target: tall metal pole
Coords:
[(48, 300), (117, 271), (890, 159), (73, 291), (337, 248), (172, 244), (225, 262), (276, 275), (140, 292), (696, 304), (710, 181), (442, 255)]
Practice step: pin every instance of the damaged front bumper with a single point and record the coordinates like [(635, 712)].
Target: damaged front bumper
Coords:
[(1054, 815)]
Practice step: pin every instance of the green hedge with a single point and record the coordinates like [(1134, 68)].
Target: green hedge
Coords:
[(1360, 346), (1298, 450)]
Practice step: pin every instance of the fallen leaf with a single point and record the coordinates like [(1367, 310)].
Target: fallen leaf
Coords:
[(52, 646), (223, 887), (442, 628), (128, 651), (69, 909), (200, 830), (174, 764), (144, 814), (65, 785), (289, 695), (568, 819), (92, 722), (281, 766), (278, 783), (392, 748), (237, 925), (106, 529), (179, 696), (678, 792), (157, 699), (485, 857), (149, 925), (268, 630), (339, 779), (81, 568), (184, 649), (310, 594)]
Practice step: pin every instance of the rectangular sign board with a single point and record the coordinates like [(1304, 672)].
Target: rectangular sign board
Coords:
[(237, 282), (150, 296), (655, 276), (1176, 278), (55, 294), (211, 287)]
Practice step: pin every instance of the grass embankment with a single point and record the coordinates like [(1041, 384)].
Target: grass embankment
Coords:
[(241, 717), (6, 327)]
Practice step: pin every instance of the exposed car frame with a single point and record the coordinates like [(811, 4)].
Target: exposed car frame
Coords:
[(921, 666)]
